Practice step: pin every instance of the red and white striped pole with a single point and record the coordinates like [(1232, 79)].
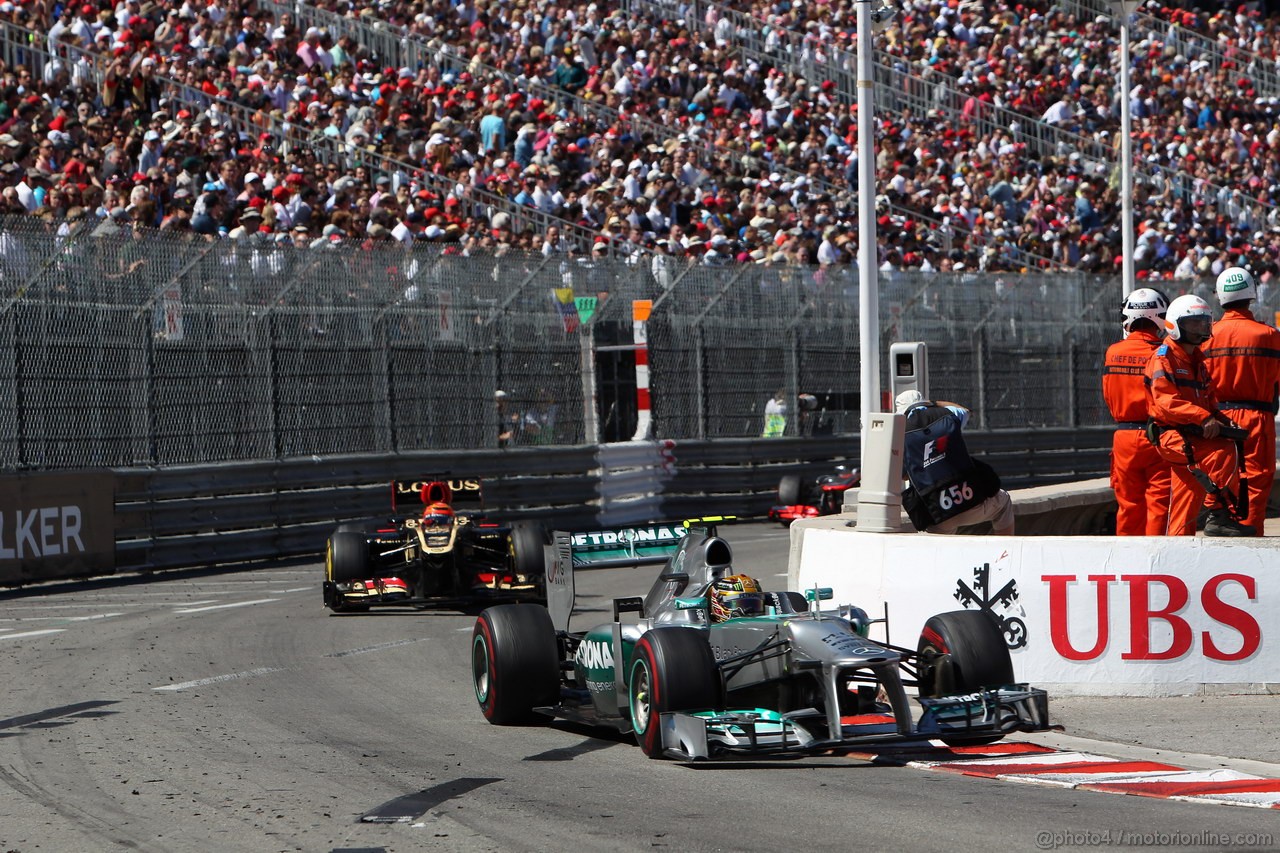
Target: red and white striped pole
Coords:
[(640, 309)]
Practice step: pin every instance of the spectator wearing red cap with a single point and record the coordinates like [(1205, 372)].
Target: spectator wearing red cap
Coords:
[(281, 196), (83, 27)]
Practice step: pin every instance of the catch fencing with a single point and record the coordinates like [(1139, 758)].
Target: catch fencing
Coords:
[(128, 347)]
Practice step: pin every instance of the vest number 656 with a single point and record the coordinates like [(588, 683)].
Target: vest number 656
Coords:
[(956, 495)]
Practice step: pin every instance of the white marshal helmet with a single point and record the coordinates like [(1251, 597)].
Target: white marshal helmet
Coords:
[(1145, 303), (1185, 308), (1235, 284)]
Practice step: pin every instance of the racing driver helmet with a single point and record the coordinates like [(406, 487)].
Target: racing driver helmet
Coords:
[(437, 514), (734, 596)]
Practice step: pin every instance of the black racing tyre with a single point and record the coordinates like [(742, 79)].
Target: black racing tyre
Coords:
[(672, 669), (789, 488), (527, 556), (961, 652), (515, 663), (347, 558)]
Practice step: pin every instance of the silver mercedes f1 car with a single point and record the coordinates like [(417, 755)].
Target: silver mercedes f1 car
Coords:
[(794, 679)]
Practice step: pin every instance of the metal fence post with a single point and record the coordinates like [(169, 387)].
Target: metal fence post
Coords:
[(19, 393), (792, 356), (700, 378), (146, 326), (980, 340), (273, 388), (1073, 404), (391, 438)]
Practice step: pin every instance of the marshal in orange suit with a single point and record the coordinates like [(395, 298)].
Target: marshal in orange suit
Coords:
[(1243, 358), (1139, 474), (1189, 425)]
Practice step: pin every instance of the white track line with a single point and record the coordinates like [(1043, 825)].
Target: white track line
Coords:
[(287, 591), (98, 606), (32, 634), (176, 593), (377, 648), (202, 583), (60, 619), (225, 606), (201, 682)]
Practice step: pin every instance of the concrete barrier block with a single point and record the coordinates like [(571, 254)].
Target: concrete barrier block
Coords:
[(1067, 509), (1083, 615)]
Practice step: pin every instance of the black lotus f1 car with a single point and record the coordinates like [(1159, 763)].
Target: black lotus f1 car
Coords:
[(791, 680), (439, 556)]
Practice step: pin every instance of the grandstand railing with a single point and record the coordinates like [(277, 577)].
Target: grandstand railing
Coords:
[(414, 53), (401, 51), (1264, 72), (22, 46), (895, 90), (897, 87), (19, 45)]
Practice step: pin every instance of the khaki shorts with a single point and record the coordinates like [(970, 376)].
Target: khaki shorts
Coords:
[(997, 509)]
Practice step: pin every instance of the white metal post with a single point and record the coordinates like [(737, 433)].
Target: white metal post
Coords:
[(868, 258), (1125, 8)]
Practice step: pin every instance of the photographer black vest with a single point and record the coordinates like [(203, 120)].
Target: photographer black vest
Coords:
[(945, 479)]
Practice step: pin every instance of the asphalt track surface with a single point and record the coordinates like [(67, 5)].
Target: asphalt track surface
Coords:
[(228, 711)]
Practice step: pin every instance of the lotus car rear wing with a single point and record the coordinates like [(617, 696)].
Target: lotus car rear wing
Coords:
[(411, 495)]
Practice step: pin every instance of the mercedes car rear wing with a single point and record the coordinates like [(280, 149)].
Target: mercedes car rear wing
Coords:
[(618, 547)]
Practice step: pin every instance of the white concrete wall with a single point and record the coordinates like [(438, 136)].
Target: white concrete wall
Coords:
[(1102, 615)]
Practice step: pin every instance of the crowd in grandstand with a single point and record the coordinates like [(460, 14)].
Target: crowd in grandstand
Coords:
[(230, 118)]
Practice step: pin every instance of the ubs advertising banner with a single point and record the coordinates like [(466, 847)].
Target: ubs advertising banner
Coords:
[(1085, 615), (56, 526)]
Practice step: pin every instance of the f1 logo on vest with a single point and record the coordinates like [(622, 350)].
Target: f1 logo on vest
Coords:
[(935, 451)]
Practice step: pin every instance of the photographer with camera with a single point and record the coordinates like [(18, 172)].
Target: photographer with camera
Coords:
[(1187, 427), (947, 488)]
